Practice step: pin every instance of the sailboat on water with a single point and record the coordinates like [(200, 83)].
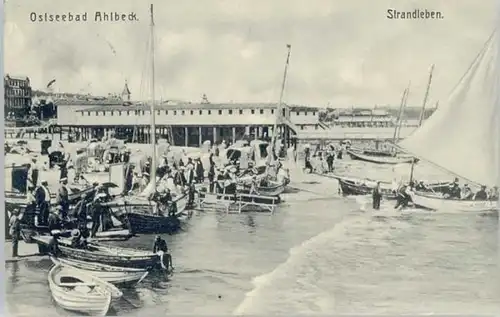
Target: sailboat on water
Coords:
[(461, 137), (388, 157), (140, 212)]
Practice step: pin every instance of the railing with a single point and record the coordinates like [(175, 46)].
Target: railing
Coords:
[(20, 131)]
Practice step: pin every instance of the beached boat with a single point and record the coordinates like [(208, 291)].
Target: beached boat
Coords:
[(111, 274), (76, 291), (273, 188), (140, 222), (380, 153), (103, 254), (29, 232), (140, 216), (461, 137), (381, 159)]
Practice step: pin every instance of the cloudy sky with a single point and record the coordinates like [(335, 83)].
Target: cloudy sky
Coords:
[(344, 52)]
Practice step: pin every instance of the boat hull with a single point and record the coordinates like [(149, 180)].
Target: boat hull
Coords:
[(381, 159), (93, 296), (114, 256), (115, 275), (275, 189), (28, 232), (144, 223), (454, 205), (353, 186)]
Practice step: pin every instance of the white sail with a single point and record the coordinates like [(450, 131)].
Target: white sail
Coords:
[(462, 135)]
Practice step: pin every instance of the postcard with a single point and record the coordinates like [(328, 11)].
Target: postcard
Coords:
[(251, 157)]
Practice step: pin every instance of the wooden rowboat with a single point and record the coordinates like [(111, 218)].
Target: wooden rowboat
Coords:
[(381, 159), (111, 274), (74, 290), (448, 205), (273, 189), (28, 232), (103, 254), (356, 186), (139, 221)]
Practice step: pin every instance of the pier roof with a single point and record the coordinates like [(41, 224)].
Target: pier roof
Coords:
[(183, 106), (117, 105)]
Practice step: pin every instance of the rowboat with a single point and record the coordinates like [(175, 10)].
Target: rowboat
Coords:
[(456, 205), (74, 290), (28, 232), (111, 274), (272, 189), (146, 221), (103, 254), (392, 160), (356, 186)]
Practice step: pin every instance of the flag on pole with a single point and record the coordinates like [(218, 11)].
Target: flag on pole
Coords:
[(288, 46)]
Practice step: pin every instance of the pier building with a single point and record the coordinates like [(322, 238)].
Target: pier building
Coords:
[(185, 124)]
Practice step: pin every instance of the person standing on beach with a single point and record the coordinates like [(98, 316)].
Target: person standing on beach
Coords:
[(34, 172), (63, 168), (15, 231), (42, 196), (376, 197), (330, 157), (96, 214), (211, 174), (63, 198), (307, 160)]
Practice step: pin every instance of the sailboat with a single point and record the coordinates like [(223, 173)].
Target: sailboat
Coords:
[(461, 137), (387, 157), (147, 221), (274, 187)]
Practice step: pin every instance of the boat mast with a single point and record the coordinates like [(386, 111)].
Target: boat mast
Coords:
[(399, 114), (402, 112), (278, 110), (426, 96), (153, 123)]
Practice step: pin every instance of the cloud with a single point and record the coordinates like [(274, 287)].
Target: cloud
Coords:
[(343, 52)]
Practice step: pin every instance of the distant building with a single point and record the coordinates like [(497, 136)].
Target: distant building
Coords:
[(17, 96)]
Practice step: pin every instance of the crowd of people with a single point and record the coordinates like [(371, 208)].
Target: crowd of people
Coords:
[(322, 159)]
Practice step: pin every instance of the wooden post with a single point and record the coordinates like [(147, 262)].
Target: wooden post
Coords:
[(200, 137), (185, 136), (234, 134), (215, 134)]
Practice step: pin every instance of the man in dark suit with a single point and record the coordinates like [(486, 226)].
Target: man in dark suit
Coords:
[(63, 198), (42, 197)]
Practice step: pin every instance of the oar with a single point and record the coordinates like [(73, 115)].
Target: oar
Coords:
[(144, 276)]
